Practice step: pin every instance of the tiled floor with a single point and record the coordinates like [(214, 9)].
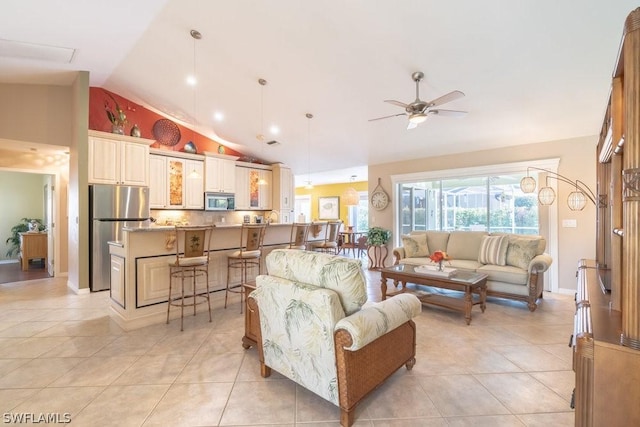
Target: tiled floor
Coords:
[(61, 353)]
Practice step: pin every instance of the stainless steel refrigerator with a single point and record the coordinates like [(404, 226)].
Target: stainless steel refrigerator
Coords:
[(112, 207)]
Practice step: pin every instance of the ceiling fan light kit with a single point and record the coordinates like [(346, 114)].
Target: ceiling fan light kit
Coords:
[(418, 111)]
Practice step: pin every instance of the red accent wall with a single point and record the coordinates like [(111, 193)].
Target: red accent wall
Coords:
[(145, 120)]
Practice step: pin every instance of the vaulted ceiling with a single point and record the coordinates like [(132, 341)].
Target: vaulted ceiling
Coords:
[(532, 71)]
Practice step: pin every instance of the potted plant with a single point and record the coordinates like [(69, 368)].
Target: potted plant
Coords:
[(377, 238), (22, 227)]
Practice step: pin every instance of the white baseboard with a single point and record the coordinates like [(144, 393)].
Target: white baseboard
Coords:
[(566, 291), (72, 286), (9, 261)]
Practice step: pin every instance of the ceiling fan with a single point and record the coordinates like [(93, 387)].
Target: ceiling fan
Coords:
[(419, 110)]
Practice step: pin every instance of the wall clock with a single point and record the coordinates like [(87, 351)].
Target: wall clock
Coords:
[(379, 197)]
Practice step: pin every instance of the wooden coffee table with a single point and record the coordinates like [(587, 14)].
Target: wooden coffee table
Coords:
[(468, 282)]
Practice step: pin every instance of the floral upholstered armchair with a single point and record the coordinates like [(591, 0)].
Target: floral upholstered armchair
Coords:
[(315, 331)]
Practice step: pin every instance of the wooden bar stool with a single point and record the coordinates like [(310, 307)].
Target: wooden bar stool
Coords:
[(249, 255), (192, 262), (299, 235)]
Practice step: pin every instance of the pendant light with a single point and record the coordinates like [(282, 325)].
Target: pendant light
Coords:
[(260, 136), (193, 81), (350, 197), (309, 186)]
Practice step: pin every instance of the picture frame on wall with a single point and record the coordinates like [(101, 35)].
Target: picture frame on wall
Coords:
[(329, 207)]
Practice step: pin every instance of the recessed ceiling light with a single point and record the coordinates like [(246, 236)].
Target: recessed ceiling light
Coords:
[(218, 116), (191, 80), (274, 129)]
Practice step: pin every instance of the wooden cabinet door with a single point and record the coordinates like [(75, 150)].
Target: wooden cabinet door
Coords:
[(104, 161), (194, 184), (134, 161), (286, 189), (265, 188), (212, 175), (158, 193)]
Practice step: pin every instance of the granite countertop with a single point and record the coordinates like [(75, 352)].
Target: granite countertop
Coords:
[(171, 227)]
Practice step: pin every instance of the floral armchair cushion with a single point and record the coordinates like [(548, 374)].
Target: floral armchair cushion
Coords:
[(340, 274)]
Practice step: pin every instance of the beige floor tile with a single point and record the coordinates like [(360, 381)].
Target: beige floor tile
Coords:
[(412, 422), (250, 368), (211, 368), (79, 347), (522, 393), (67, 400), (560, 419), (267, 402), (562, 382), (121, 406), (8, 365), (162, 369), (129, 345), (29, 348), (311, 408), (382, 403), (84, 328), (187, 342), (532, 358), (26, 329), (38, 372), (10, 398), (485, 421), (461, 395), (95, 371), (482, 359), (191, 405)]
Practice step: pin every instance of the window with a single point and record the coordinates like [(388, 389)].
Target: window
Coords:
[(358, 216), (479, 203)]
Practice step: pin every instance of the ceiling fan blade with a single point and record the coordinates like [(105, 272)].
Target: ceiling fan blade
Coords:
[(386, 117), (448, 113), (451, 96), (398, 103), (411, 125)]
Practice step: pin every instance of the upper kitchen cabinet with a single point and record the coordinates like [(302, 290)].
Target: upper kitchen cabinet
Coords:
[(283, 193), (176, 181), (220, 173), (118, 159), (253, 186)]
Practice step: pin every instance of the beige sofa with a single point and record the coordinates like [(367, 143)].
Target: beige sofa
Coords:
[(515, 263)]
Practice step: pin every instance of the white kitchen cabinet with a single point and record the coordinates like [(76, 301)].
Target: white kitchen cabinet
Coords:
[(194, 184), (118, 159), (220, 175), (176, 182), (253, 187), (158, 191), (283, 193), (117, 280)]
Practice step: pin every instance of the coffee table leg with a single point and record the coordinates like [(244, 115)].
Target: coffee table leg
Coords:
[(383, 287), (468, 304), (483, 297)]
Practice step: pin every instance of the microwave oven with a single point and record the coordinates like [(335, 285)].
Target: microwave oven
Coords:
[(219, 202)]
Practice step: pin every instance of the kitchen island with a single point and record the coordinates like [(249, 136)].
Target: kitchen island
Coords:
[(140, 268)]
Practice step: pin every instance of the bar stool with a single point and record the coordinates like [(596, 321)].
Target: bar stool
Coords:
[(249, 255), (192, 261), (330, 242), (299, 235)]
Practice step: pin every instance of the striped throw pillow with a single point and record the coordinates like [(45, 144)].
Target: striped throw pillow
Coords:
[(493, 250)]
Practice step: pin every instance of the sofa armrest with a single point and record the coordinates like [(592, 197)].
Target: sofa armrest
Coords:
[(370, 323), (540, 263), (398, 254)]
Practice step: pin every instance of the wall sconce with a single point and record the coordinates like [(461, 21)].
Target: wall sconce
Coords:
[(577, 199)]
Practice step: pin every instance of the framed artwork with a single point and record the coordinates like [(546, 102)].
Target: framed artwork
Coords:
[(329, 207)]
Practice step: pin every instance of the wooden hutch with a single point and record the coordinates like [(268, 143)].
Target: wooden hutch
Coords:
[(607, 324)]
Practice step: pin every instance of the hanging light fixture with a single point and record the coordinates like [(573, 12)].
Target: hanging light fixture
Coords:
[(577, 199), (350, 197), (309, 186), (260, 137), (192, 80)]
